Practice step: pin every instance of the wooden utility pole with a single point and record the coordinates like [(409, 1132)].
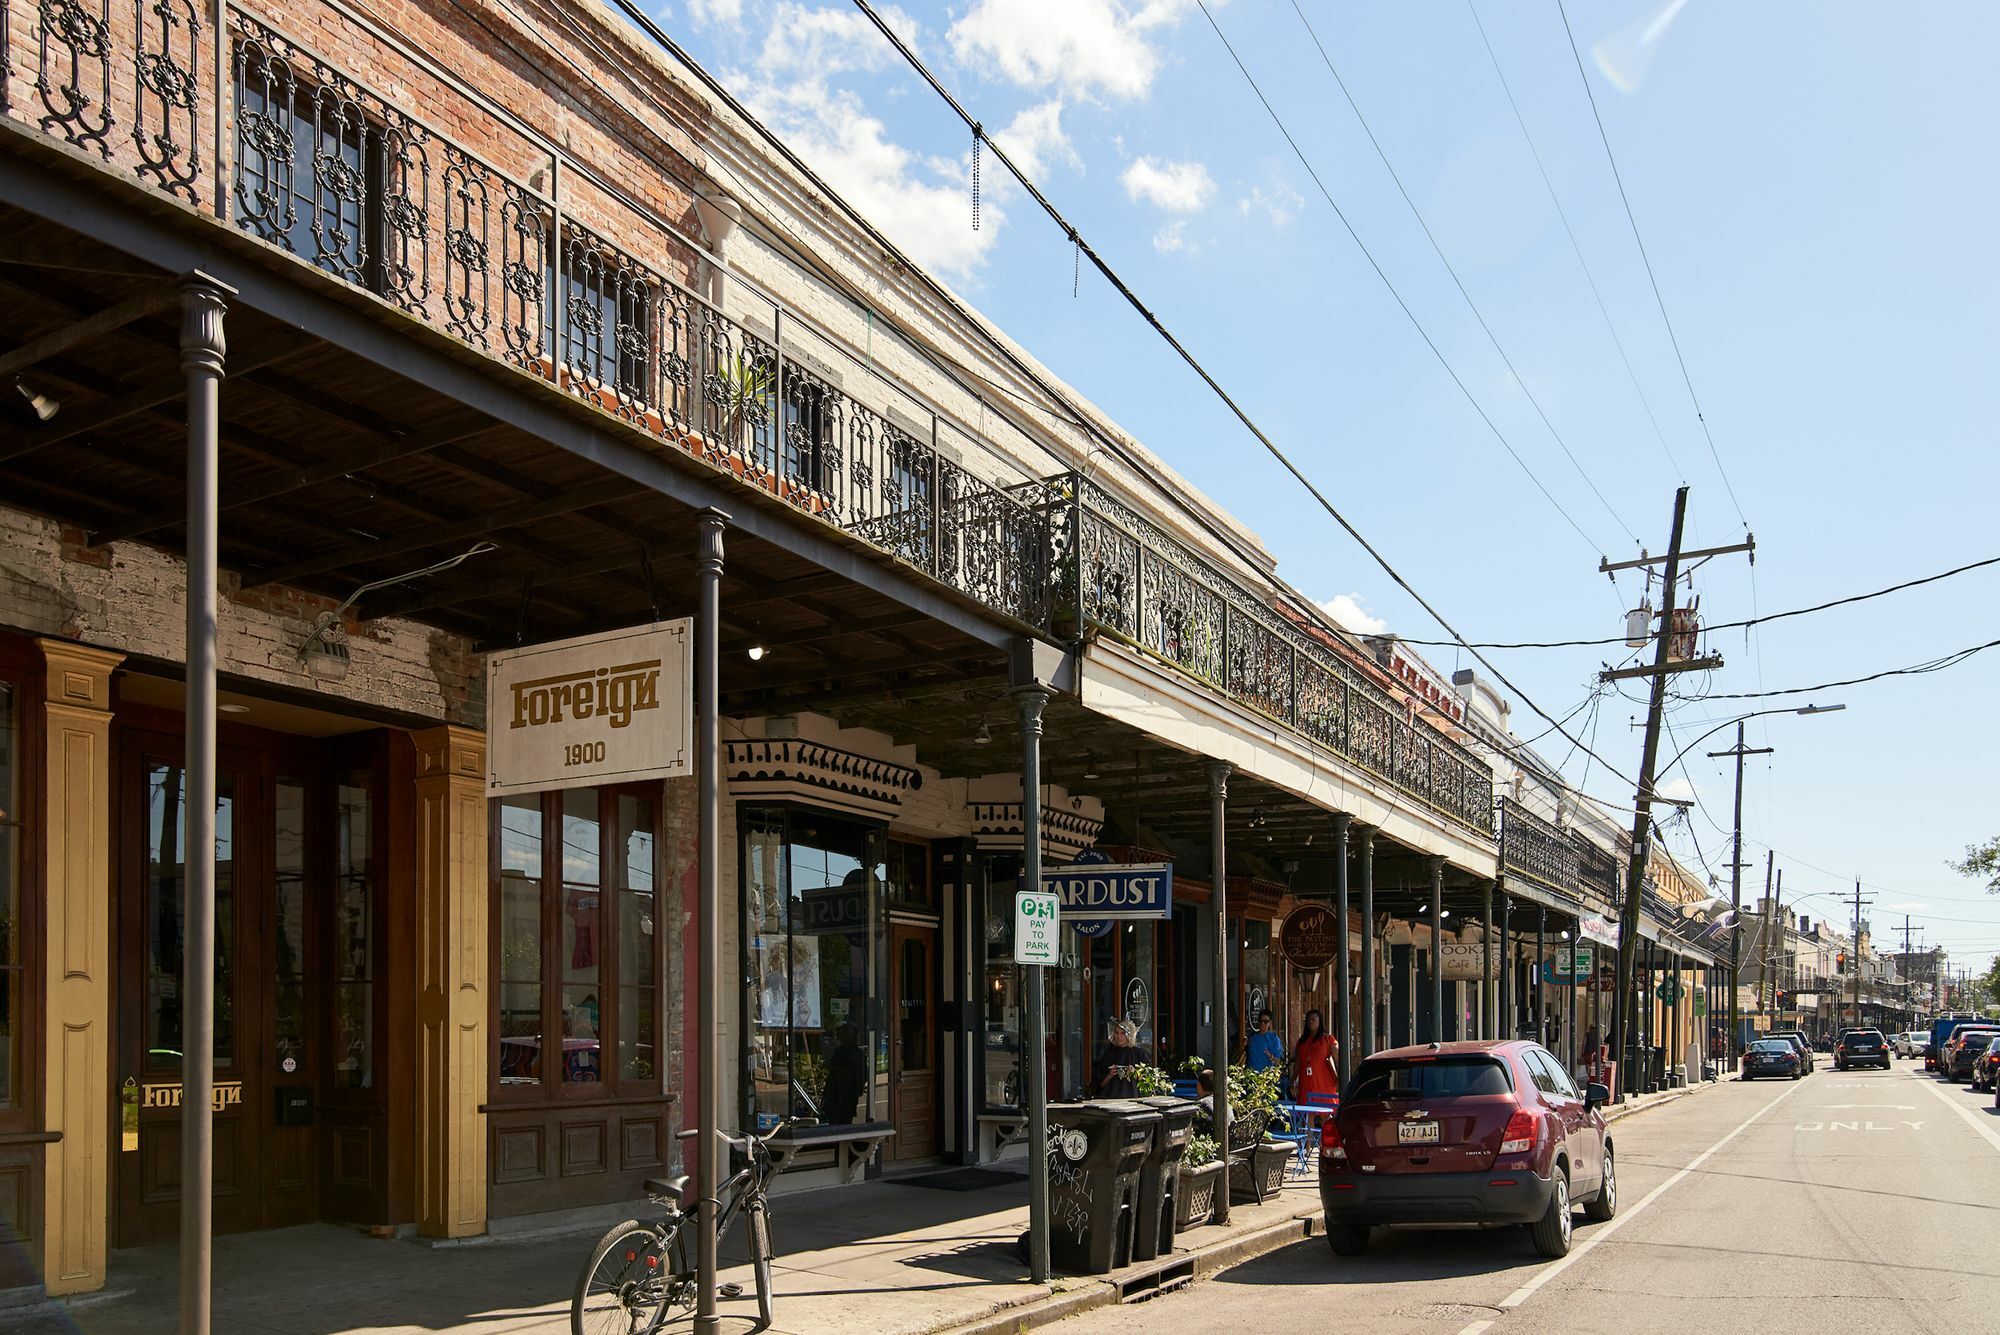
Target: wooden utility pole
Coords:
[(1767, 956), (1736, 879)]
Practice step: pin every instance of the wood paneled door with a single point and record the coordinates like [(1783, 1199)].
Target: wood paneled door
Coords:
[(913, 1041)]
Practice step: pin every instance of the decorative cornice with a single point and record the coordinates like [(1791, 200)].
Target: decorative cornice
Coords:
[(1065, 833), (815, 772)]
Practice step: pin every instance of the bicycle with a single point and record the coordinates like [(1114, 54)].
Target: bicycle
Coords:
[(640, 1272)]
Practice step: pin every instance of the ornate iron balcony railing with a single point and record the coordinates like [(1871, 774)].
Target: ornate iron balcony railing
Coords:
[(1126, 577), (499, 238), (1536, 850)]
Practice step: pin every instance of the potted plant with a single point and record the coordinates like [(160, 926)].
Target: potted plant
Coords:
[(1201, 1172), (1256, 1163)]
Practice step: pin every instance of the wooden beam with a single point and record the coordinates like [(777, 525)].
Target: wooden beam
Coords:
[(82, 330)]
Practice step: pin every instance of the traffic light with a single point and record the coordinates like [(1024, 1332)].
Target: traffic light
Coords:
[(1840, 962)]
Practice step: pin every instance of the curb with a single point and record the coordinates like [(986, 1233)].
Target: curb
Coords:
[(1670, 1096), (1103, 1291)]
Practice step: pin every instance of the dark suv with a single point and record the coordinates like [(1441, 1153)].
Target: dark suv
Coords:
[(1465, 1133), (1861, 1047)]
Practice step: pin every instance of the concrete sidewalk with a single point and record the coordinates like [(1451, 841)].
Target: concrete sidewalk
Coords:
[(887, 1257)]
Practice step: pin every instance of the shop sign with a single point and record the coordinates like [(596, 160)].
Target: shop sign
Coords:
[(1113, 891), (1600, 929), (835, 910), (1566, 966), (610, 708), (222, 1095), (1037, 916), (1462, 960), (1669, 991), (1310, 937)]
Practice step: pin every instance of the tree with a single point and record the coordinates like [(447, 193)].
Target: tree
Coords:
[(1983, 862)]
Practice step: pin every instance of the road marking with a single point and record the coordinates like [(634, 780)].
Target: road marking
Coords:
[(1893, 1107), (1476, 1327), (1992, 1136), (1554, 1268)]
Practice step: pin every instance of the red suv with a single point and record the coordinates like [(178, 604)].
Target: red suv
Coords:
[(1465, 1133)]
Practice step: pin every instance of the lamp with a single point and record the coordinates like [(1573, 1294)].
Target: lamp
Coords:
[(984, 735), (45, 406), (324, 655)]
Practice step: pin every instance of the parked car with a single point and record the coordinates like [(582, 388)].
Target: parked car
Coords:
[(1861, 1047), (1986, 1069), (1772, 1056), (1797, 1040), (1965, 1047), (1942, 1029), (1483, 1133)]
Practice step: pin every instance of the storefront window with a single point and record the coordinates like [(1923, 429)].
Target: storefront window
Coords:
[(353, 934), (166, 881), (11, 783), (578, 954), (1002, 996), (812, 941), (288, 846)]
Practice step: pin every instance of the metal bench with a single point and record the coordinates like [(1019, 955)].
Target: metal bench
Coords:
[(854, 1145), (998, 1130)]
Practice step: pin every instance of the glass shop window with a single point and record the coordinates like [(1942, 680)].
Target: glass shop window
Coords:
[(813, 942), (12, 835), (1003, 998)]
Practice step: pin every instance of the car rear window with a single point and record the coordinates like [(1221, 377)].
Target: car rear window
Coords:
[(1428, 1078), (1978, 1040), (1770, 1045)]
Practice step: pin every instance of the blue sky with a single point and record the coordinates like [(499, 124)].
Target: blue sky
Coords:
[(1813, 183)]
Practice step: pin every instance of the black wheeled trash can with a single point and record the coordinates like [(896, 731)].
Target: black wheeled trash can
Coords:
[(1096, 1152), (1160, 1178)]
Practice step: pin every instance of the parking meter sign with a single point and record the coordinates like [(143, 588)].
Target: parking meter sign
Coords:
[(1036, 918)]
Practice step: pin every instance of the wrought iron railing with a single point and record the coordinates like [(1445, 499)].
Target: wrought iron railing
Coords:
[(1536, 850), (497, 237), (1125, 576)]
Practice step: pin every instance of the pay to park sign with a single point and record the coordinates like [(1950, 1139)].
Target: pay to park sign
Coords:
[(1036, 920), (610, 708)]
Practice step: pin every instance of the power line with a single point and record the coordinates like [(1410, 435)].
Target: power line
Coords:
[(1726, 625), (1915, 669), (1111, 276), (1417, 213), (1610, 328), (1645, 259), (1404, 305)]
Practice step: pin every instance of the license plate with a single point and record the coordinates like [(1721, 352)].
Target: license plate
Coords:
[(1416, 1133)]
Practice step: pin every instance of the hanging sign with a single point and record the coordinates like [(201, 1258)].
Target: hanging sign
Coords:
[(1669, 991), (610, 708), (1113, 891), (1600, 929), (1461, 960), (1310, 937), (1565, 967), (1036, 919)]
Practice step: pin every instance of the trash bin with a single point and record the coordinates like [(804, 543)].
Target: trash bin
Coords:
[(1095, 1154), (1159, 1179)]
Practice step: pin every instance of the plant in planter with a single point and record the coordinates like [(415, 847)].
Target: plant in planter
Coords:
[(1257, 1164), (1201, 1172), (1151, 1080)]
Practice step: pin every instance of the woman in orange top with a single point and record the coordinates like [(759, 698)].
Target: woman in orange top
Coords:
[(1316, 1060)]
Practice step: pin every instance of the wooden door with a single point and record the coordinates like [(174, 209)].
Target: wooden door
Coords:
[(913, 1103)]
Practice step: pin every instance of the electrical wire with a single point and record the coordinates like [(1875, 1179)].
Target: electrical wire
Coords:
[(1916, 669), (1726, 625), (1438, 250), (1645, 259), (1111, 276)]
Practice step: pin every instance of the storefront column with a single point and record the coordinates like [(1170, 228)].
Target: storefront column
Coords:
[(1367, 940), (1535, 974), (1489, 1010), (1343, 1015), (452, 970), (1218, 877), (76, 852), (1437, 952), (1507, 1008)]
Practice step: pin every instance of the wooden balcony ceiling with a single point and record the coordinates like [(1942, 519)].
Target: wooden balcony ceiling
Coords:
[(336, 473)]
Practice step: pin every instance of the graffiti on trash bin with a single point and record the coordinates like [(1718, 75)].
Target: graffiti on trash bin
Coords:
[(1069, 1186)]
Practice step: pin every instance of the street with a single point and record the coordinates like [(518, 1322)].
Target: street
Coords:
[(1863, 1200)]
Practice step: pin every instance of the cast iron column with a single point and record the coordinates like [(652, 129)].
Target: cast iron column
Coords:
[(1034, 1065), (1437, 950), (203, 304), (1535, 975), (1489, 1009), (1218, 858), (1507, 1008), (708, 1023), (1367, 940), (1343, 1021)]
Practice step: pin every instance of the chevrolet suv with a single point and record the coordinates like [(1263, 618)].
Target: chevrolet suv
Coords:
[(1861, 1047), (1483, 1133)]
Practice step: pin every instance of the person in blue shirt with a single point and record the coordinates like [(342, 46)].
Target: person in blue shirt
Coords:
[(1267, 1046)]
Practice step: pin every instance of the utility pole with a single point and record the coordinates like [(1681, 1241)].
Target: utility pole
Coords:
[(1856, 961), (1736, 878), (1663, 666), (1767, 961)]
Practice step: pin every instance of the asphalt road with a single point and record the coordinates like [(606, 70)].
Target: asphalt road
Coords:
[(1863, 1201)]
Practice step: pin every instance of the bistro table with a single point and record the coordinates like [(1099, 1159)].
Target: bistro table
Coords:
[(1304, 1119)]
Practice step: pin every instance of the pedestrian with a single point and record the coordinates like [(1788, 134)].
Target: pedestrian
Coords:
[(1317, 1060), (1267, 1046), (1118, 1062)]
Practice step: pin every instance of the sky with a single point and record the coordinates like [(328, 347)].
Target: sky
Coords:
[(1813, 185)]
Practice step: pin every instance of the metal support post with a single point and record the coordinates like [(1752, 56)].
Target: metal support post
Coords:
[(1489, 1003), (1367, 940), (1535, 974), (1343, 1015), (708, 1023), (1506, 969), (1034, 1077), (203, 351), (1437, 950), (1218, 895)]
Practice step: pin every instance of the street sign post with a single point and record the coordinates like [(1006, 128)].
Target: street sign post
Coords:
[(1037, 918)]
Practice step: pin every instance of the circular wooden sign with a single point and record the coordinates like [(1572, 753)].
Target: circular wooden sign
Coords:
[(1310, 937)]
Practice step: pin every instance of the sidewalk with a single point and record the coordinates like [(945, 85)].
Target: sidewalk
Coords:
[(888, 1257)]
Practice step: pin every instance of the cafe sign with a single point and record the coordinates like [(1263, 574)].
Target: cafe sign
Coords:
[(1109, 891), (1310, 937), (611, 708), (1462, 960)]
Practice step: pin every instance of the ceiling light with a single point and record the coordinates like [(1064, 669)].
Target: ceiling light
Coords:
[(45, 406), (756, 652), (232, 709), (984, 735), (1090, 765)]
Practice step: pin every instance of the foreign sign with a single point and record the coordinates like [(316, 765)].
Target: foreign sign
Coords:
[(1459, 960), (222, 1094), (1310, 937), (609, 708), (1037, 915), (1113, 891)]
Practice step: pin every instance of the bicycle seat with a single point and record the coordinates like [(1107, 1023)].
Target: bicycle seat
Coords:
[(678, 1189)]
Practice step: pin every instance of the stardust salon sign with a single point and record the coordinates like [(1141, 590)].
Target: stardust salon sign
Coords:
[(610, 708), (1108, 891)]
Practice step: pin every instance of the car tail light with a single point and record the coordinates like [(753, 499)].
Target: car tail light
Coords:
[(1329, 1140), (1519, 1137)]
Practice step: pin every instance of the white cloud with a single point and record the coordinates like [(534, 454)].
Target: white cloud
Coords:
[(1172, 238), (1907, 906), (1280, 203), (1678, 788), (1081, 46), (814, 43), (715, 13), (1177, 187), (1034, 139), (1350, 613)]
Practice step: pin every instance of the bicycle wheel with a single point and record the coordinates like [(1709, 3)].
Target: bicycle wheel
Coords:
[(758, 1223), (624, 1289)]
